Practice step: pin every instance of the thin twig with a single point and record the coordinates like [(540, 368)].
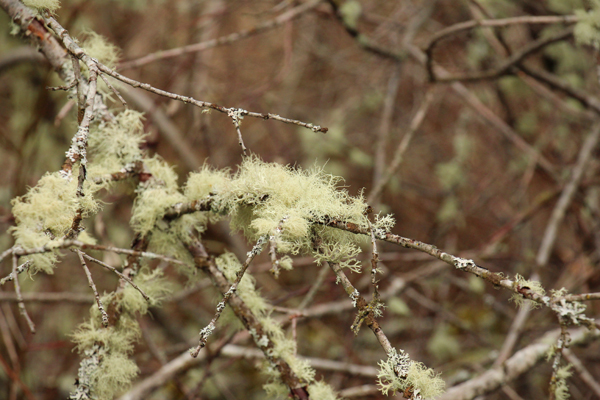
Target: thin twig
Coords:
[(20, 269), (115, 91), (583, 373), (462, 26), (120, 275), (68, 243), (506, 65), (88, 274), (208, 330), (365, 312), (22, 308), (78, 52), (227, 39), (415, 124)]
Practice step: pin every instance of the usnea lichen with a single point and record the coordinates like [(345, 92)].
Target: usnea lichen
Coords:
[(108, 369), (46, 214), (399, 372), (534, 286)]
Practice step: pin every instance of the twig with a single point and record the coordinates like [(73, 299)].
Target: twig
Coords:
[(115, 91), (314, 288), (37, 297), (506, 65), (365, 310), (273, 247), (521, 362), (251, 322), (402, 147), (88, 274), (22, 308), (584, 374), (66, 87), (462, 26), (78, 52), (120, 275), (20, 269), (227, 39), (208, 330), (67, 243), (387, 115)]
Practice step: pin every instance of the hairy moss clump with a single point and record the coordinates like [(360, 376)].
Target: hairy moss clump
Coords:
[(46, 213), (282, 346)]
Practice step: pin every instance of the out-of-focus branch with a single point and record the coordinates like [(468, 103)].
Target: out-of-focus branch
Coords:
[(462, 26), (505, 66), (521, 362), (223, 40)]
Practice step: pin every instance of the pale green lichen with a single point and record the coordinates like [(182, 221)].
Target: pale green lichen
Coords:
[(322, 391), (561, 390), (110, 347), (534, 286), (50, 5), (399, 372), (46, 213), (114, 145), (101, 49), (587, 29)]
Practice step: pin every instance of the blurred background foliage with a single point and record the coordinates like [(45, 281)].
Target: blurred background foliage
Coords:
[(461, 183)]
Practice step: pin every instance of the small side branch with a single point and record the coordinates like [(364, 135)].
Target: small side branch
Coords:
[(120, 275), (208, 330), (22, 308), (88, 274)]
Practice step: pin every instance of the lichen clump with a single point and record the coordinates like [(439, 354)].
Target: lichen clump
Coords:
[(290, 206), (46, 214), (399, 373)]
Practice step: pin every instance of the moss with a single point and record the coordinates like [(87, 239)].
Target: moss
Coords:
[(114, 375)]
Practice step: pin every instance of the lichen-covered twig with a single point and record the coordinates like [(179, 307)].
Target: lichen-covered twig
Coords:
[(236, 114), (208, 330)]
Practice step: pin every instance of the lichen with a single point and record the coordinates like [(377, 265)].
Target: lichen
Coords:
[(50, 5), (399, 373), (46, 213)]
